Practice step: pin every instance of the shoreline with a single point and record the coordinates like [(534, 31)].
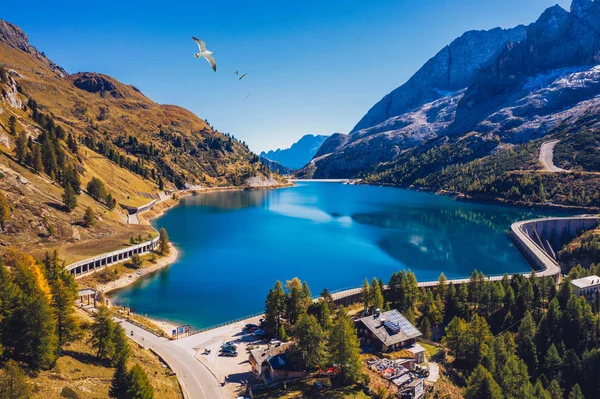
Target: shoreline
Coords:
[(129, 279)]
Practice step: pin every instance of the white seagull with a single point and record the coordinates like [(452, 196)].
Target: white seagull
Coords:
[(204, 53)]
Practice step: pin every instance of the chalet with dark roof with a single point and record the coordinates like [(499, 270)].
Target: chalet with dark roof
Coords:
[(388, 331)]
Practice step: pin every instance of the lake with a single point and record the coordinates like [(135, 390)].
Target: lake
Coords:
[(234, 245)]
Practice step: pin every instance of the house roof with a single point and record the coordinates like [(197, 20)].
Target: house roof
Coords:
[(586, 282), (280, 362), (390, 327), (265, 353)]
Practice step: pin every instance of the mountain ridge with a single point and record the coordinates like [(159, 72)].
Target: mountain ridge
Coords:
[(299, 153), (518, 89)]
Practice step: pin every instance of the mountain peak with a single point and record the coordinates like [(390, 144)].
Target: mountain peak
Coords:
[(14, 36)]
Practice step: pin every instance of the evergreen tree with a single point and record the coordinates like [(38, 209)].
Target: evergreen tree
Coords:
[(526, 342), (481, 385), (576, 393), (69, 198), (4, 210), (111, 202), (12, 125), (64, 292), (555, 390), (96, 189), (539, 392), (552, 362), (274, 309), (36, 159), (163, 242), (122, 350), (13, 384), (366, 295), (89, 218), (120, 382), (21, 147), (425, 327), (138, 384), (103, 331), (296, 304), (310, 342), (376, 295), (344, 348)]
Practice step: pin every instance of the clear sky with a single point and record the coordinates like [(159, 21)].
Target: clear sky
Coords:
[(314, 66)]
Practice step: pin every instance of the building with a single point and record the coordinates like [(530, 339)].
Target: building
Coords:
[(587, 286), (271, 364), (389, 332), (414, 389)]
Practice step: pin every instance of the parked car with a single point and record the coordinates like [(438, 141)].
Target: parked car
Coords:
[(229, 347), (230, 343), (251, 326), (229, 354), (259, 333), (227, 350), (275, 342)]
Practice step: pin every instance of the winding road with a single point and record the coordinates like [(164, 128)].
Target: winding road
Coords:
[(547, 157), (195, 379)]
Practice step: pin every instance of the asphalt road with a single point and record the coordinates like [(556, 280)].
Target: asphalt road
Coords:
[(197, 382)]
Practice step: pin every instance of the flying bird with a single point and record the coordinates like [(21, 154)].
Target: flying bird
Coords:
[(204, 53), (237, 72), (247, 97), (243, 76)]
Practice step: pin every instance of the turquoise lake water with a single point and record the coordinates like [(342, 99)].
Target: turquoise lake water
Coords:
[(235, 245)]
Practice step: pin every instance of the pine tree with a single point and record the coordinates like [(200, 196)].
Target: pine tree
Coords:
[(21, 147), (120, 382), (425, 327), (4, 210), (274, 309), (69, 198), (122, 350), (163, 242), (366, 295), (555, 390), (576, 392), (296, 304), (344, 349), (138, 384), (481, 385), (103, 331), (526, 342), (36, 159), (89, 219), (376, 295), (12, 125), (310, 342), (13, 384)]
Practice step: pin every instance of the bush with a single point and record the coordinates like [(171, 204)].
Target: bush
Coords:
[(69, 393)]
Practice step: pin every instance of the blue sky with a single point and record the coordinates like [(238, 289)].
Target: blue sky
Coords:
[(314, 66)]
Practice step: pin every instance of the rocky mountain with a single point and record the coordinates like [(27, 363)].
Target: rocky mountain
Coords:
[(299, 154), (505, 86), (276, 166)]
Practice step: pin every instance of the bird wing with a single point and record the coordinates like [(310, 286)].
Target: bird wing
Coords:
[(201, 44), (243, 76), (211, 61)]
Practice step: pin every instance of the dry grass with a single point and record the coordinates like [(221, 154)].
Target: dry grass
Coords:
[(79, 370), (401, 354)]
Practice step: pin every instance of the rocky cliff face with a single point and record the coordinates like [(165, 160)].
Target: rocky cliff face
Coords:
[(509, 85)]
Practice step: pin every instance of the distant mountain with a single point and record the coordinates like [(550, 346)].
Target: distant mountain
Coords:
[(497, 87), (299, 154), (276, 166)]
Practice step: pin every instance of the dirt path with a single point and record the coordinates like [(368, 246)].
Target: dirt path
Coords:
[(547, 157)]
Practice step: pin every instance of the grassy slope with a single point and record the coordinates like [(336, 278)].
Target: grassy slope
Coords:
[(79, 370)]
